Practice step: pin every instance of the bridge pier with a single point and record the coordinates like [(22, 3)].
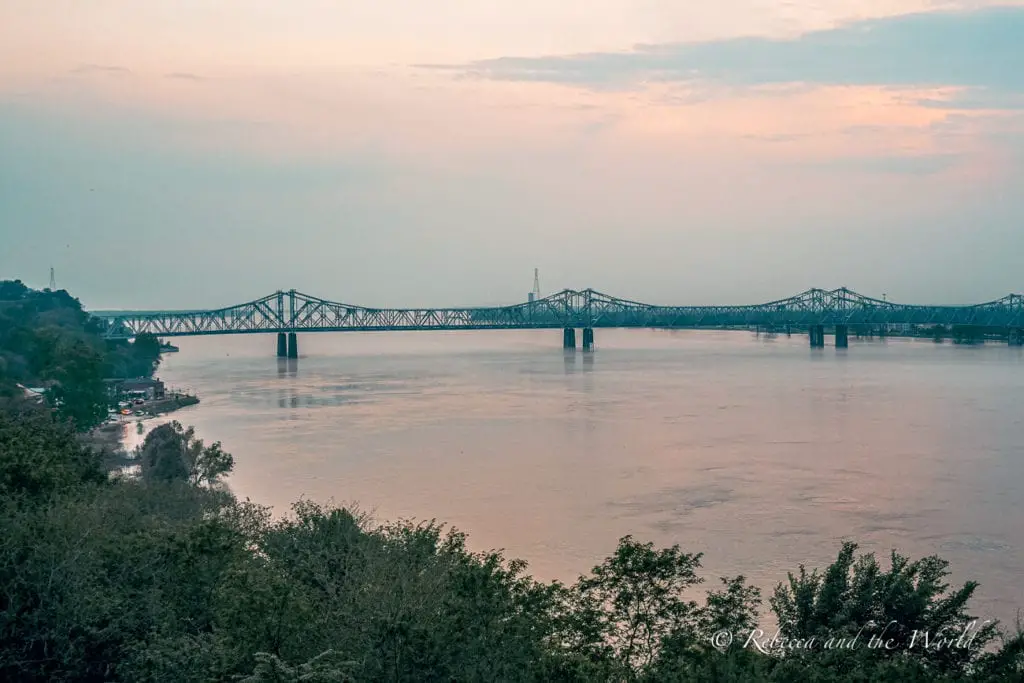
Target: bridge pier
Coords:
[(293, 345), (817, 336), (1016, 337), (842, 337), (569, 338), (282, 345), (588, 338)]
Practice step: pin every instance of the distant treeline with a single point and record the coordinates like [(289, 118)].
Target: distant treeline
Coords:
[(48, 341)]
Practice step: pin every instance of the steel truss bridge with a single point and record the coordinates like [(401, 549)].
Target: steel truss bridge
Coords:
[(289, 312)]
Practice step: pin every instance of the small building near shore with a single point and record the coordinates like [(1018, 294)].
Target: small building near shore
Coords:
[(141, 387)]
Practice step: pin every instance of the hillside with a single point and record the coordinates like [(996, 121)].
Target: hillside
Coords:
[(48, 341)]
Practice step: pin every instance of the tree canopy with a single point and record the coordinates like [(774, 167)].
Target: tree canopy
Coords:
[(48, 340)]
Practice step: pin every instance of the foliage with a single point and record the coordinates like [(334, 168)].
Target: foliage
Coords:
[(91, 575), (46, 339), (172, 453), (632, 602), (907, 608), (320, 669), (40, 456), (78, 393)]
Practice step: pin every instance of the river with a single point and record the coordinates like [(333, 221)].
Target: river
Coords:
[(758, 451)]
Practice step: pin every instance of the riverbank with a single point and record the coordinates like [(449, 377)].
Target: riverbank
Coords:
[(116, 439), (109, 440)]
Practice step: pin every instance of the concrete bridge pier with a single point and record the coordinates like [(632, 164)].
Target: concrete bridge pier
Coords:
[(588, 339), (842, 337), (282, 345), (817, 335), (1016, 337), (293, 345), (569, 338)]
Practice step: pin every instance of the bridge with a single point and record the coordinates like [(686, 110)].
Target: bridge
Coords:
[(839, 310)]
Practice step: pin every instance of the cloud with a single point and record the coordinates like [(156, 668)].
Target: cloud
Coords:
[(970, 49), (87, 69), (977, 98), (184, 76)]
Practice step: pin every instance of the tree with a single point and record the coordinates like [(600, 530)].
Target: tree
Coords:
[(39, 455), (172, 453), (207, 464), (79, 393), (163, 454), (631, 602), (908, 606), (12, 290), (146, 349), (138, 358)]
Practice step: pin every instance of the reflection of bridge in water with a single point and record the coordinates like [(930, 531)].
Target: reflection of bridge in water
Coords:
[(815, 312)]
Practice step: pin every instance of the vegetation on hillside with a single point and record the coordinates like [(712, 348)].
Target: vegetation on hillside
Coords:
[(47, 340)]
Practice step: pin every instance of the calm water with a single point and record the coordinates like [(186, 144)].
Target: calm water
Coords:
[(762, 453)]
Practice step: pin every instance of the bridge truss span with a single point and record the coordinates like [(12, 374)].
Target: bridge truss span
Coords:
[(292, 311)]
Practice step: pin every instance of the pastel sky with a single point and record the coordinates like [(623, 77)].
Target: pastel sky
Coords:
[(193, 153)]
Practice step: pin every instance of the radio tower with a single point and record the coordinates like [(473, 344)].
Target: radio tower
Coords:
[(535, 294), (53, 281)]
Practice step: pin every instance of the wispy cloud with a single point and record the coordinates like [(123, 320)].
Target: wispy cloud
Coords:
[(970, 49), (86, 69), (184, 76), (977, 98)]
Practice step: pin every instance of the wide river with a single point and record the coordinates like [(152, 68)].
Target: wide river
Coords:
[(760, 452)]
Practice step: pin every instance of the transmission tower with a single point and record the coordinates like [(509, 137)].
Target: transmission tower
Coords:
[(536, 283), (53, 280)]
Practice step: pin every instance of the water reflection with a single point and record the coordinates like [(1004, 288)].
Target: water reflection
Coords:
[(569, 360), (287, 367)]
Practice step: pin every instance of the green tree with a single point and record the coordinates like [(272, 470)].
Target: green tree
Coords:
[(79, 393), (629, 604), (40, 456), (901, 605), (146, 353), (172, 453)]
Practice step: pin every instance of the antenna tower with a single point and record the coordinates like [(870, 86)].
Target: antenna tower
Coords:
[(536, 283), (53, 281)]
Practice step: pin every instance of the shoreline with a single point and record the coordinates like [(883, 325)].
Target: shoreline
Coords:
[(118, 440)]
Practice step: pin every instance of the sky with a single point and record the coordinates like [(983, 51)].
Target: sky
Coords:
[(190, 154)]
